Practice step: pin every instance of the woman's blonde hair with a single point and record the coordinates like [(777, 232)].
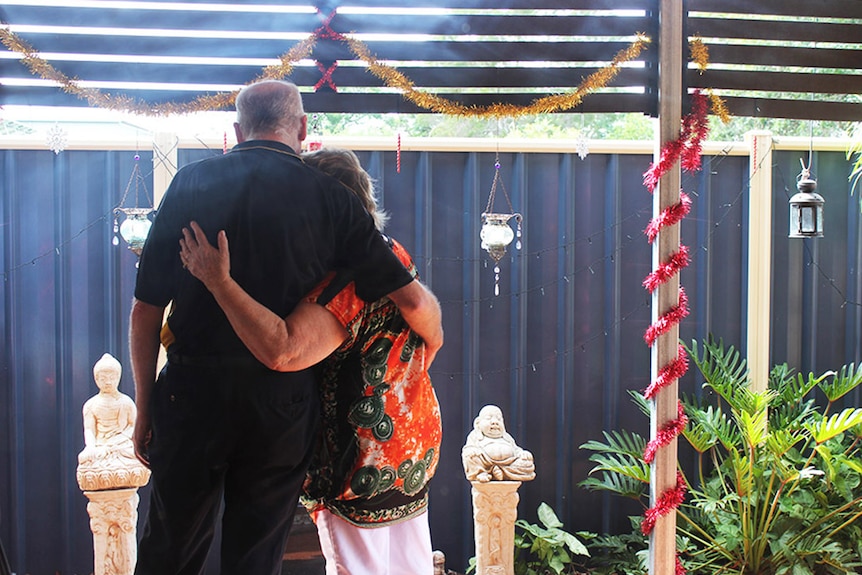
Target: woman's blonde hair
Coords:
[(343, 165)]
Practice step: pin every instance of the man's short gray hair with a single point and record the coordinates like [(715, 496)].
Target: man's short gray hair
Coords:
[(269, 106)]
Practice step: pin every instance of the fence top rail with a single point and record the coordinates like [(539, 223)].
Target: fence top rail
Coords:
[(37, 141)]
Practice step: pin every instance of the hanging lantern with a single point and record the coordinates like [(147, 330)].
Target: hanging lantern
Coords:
[(806, 208), (135, 227), (496, 233), (136, 224)]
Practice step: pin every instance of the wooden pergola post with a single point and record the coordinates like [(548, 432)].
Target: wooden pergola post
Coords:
[(662, 544)]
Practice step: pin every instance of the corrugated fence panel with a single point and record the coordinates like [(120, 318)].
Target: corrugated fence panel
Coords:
[(558, 349), (66, 298)]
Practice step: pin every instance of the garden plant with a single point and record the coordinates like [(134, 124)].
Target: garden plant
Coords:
[(773, 477)]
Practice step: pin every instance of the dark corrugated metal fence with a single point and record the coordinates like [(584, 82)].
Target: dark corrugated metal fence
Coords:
[(558, 349)]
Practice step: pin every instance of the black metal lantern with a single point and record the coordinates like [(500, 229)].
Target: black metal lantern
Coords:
[(806, 208)]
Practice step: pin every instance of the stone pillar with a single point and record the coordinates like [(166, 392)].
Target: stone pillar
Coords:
[(495, 509), (109, 474), (495, 466), (113, 521)]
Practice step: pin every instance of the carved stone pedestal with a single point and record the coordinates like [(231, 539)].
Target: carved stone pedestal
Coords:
[(495, 509), (113, 520)]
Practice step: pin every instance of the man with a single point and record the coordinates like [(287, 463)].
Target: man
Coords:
[(218, 425), (367, 487)]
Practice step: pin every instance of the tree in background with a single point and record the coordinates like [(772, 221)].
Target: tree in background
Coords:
[(630, 126)]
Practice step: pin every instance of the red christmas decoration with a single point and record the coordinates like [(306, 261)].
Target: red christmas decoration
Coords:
[(666, 434), (667, 503), (670, 372), (669, 319), (325, 31), (687, 148), (326, 78), (669, 216), (668, 269)]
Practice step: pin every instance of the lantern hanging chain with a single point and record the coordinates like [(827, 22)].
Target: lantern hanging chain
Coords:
[(138, 178), (489, 208), (806, 170), (496, 180)]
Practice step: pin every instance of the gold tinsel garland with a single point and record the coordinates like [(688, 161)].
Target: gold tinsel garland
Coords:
[(700, 57), (389, 75), (97, 98), (556, 103)]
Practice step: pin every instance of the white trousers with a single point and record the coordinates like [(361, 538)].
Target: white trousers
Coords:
[(400, 549)]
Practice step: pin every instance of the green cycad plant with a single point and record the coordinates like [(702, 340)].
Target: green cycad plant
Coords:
[(777, 481)]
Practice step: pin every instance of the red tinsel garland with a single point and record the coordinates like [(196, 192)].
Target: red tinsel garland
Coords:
[(669, 216), (326, 77), (325, 31), (667, 503), (667, 433), (668, 269), (670, 372), (696, 126), (686, 148), (669, 319)]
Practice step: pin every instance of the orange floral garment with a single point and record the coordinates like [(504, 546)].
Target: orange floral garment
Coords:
[(382, 428)]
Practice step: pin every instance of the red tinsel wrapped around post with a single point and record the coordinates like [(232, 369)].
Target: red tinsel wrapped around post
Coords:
[(687, 150)]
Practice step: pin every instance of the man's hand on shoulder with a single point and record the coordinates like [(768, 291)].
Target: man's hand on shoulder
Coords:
[(421, 310)]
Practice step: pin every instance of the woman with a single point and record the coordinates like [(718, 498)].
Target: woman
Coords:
[(367, 486)]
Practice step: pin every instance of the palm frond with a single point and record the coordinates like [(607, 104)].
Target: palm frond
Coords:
[(826, 429), (619, 464), (622, 442), (782, 378), (787, 415), (694, 403), (701, 437), (716, 421), (753, 426), (794, 389), (723, 368), (846, 380), (754, 401), (780, 441), (641, 401), (619, 484)]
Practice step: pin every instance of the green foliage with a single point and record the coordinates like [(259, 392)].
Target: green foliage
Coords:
[(624, 554), (619, 126), (628, 126), (546, 548), (620, 459), (778, 482)]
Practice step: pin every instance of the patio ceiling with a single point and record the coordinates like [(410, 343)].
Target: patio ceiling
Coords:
[(469, 52)]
